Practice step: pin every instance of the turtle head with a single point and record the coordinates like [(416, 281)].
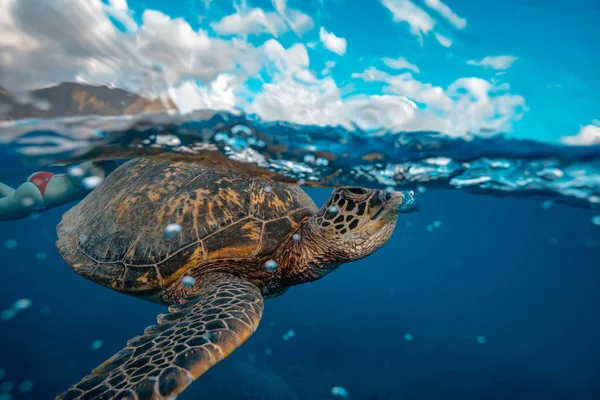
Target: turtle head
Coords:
[(355, 221)]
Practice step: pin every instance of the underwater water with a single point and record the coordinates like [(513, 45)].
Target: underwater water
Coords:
[(485, 116)]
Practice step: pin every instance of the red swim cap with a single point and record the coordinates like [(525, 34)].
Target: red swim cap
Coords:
[(41, 179)]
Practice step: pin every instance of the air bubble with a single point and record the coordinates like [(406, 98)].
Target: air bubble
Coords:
[(268, 352), (547, 204), (41, 256), (322, 162), (332, 209), (27, 202), (10, 244), (22, 304), (91, 182), (430, 228), (437, 224), (408, 337), (268, 189), (301, 182), (221, 137), (270, 266), (339, 392), (7, 314), (76, 172), (172, 231), (6, 387), (25, 386), (296, 237), (309, 159), (596, 220), (188, 281), (481, 339), (96, 345), (288, 335)]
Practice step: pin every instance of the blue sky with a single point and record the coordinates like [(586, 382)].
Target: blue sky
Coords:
[(458, 66)]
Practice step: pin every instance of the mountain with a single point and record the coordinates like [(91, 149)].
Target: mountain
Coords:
[(71, 99)]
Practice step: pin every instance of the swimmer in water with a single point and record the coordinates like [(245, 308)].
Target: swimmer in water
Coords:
[(45, 190)]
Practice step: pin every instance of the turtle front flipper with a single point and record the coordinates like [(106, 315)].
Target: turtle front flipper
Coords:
[(196, 335)]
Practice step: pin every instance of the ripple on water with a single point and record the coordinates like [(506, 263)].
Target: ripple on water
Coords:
[(329, 156)]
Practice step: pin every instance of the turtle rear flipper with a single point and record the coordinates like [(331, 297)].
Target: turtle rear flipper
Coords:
[(196, 335)]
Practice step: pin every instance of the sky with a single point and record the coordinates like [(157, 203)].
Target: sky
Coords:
[(461, 67)]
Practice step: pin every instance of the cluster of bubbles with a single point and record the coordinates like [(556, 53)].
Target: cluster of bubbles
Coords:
[(17, 307), (7, 387), (87, 179), (288, 335), (434, 225), (317, 161)]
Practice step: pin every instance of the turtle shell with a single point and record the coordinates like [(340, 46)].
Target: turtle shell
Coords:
[(116, 235)]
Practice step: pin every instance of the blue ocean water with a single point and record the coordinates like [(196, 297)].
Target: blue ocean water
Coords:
[(485, 115), (500, 301)]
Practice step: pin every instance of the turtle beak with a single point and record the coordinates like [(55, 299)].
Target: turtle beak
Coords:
[(402, 202)]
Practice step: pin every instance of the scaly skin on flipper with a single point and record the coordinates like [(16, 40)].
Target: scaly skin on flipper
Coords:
[(196, 335)]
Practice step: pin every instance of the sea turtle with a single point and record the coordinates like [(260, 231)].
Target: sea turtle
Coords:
[(240, 239)]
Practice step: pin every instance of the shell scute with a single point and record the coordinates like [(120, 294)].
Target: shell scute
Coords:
[(115, 236)]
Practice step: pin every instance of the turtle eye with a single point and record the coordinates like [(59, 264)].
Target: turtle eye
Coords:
[(355, 193), (357, 190)]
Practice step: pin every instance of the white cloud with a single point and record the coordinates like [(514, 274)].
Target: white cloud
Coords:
[(498, 63), (404, 85), (332, 42), (254, 21), (468, 105), (297, 21), (119, 10), (220, 94), (44, 43), (587, 136), (400, 63), (419, 21), (443, 40), (446, 12), (404, 11)]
